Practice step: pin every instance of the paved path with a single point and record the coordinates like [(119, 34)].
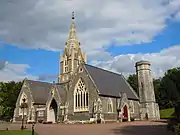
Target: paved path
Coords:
[(128, 128)]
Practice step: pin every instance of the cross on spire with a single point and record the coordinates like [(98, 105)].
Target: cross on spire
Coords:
[(72, 33), (73, 15)]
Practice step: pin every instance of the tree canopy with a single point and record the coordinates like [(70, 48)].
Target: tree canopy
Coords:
[(9, 92), (167, 88)]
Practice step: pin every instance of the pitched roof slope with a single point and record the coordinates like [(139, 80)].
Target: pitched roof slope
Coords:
[(40, 90), (110, 83), (62, 92)]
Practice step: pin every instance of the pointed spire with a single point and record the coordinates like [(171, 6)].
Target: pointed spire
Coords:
[(72, 33)]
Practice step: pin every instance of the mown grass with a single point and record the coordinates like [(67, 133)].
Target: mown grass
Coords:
[(19, 132), (167, 113)]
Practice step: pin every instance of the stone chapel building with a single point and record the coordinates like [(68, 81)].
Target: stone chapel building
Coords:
[(86, 93)]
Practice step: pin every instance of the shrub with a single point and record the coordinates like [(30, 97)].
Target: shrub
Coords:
[(98, 121), (171, 123), (31, 122), (40, 121), (132, 118), (177, 129), (47, 122)]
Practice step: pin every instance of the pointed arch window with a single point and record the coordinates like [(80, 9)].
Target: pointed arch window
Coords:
[(23, 96), (65, 64), (109, 105), (81, 97)]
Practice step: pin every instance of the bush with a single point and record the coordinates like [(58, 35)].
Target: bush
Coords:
[(47, 122), (31, 122), (171, 123), (40, 121), (98, 121), (132, 119), (177, 129)]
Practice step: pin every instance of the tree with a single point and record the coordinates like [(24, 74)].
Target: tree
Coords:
[(170, 87), (157, 89), (9, 92), (132, 80), (167, 88)]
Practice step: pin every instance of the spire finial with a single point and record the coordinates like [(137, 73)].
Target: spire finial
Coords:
[(73, 15)]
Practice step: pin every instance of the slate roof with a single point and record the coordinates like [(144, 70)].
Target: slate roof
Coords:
[(62, 92), (109, 83), (40, 90)]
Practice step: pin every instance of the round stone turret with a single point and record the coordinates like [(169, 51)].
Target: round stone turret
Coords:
[(146, 89), (145, 81), (143, 65)]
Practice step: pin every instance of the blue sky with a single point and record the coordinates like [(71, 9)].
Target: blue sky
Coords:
[(165, 39), (43, 62), (31, 37)]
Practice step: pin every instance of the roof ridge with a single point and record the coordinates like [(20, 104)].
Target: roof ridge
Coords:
[(120, 74), (38, 81)]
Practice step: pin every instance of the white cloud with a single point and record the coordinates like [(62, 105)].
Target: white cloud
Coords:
[(161, 62), (125, 64), (45, 24), (15, 72)]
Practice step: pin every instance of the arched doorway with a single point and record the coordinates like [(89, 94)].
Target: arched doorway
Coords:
[(125, 113), (52, 111)]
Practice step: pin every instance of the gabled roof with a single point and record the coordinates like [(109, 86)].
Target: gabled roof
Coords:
[(109, 83), (39, 90), (62, 91)]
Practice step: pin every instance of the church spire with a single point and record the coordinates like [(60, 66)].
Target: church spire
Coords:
[(72, 33)]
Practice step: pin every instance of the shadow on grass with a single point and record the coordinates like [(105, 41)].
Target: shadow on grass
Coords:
[(142, 130), (162, 121)]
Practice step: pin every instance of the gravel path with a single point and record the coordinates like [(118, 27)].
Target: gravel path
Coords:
[(126, 128)]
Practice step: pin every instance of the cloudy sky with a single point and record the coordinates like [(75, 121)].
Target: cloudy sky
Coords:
[(114, 33)]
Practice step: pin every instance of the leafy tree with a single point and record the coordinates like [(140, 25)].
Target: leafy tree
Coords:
[(157, 89), (170, 84), (9, 92), (167, 88), (132, 80)]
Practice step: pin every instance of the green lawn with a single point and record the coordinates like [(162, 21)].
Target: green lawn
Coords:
[(16, 133), (167, 113)]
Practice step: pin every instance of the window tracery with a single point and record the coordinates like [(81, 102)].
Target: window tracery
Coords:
[(81, 97), (23, 96)]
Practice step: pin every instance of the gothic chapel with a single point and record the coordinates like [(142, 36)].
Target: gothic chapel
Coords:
[(85, 93)]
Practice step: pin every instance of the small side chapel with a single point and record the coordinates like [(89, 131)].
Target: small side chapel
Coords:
[(85, 93)]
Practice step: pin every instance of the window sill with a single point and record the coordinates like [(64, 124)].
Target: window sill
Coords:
[(110, 112), (81, 110)]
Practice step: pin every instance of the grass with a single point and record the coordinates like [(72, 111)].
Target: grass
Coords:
[(19, 132), (167, 113)]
